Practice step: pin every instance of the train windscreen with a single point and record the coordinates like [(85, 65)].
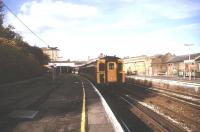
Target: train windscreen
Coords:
[(101, 67), (111, 66)]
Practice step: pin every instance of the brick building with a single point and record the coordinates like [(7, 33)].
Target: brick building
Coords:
[(182, 66)]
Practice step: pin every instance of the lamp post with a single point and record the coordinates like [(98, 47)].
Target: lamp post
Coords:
[(188, 45), (52, 60), (60, 65)]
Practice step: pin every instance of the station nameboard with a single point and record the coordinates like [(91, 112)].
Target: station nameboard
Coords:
[(189, 61)]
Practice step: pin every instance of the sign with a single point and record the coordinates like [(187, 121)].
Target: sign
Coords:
[(62, 64), (189, 61)]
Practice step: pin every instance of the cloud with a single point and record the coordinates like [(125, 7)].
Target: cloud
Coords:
[(83, 29), (47, 8), (174, 9), (52, 14)]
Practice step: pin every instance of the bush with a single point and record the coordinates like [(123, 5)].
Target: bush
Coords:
[(16, 64)]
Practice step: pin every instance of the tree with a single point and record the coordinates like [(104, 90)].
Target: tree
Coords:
[(1, 17), (18, 60), (8, 32), (39, 55)]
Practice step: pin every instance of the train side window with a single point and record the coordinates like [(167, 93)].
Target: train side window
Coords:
[(111, 66), (101, 67)]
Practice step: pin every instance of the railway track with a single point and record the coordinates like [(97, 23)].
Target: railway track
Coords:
[(152, 118), (127, 119), (189, 99), (188, 122)]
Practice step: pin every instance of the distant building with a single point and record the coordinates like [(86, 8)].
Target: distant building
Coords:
[(181, 65), (158, 64), (136, 65), (147, 65), (52, 52)]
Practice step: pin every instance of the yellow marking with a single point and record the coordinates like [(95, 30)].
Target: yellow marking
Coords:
[(83, 111)]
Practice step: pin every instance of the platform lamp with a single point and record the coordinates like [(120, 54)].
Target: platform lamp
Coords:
[(53, 59)]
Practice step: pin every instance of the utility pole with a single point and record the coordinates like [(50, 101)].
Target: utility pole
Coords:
[(188, 45), (53, 57), (53, 74), (60, 70)]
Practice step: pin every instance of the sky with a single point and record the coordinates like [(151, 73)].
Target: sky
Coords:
[(82, 28)]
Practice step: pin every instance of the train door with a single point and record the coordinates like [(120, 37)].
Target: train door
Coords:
[(111, 72), (119, 72), (100, 72)]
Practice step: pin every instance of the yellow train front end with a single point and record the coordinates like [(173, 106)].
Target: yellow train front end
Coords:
[(109, 70)]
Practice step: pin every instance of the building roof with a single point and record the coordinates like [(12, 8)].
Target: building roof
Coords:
[(110, 58), (181, 58), (61, 64), (135, 57), (49, 48)]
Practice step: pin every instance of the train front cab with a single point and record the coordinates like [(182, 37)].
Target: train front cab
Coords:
[(110, 72)]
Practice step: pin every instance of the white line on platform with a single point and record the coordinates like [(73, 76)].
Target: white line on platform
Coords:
[(116, 124)]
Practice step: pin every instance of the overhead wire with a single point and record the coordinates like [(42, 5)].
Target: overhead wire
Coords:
[(24, 24)]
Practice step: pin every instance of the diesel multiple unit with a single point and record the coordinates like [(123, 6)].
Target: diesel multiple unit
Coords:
[(106, 70)]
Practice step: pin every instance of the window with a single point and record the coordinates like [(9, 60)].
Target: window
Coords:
[(111, 66), (101, 67)]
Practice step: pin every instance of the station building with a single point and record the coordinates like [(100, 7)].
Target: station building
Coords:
[(164, 65), (147, 65)]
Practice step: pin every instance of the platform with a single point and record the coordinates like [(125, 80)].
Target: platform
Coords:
[(172, 83), (99, 116), (41, 105)]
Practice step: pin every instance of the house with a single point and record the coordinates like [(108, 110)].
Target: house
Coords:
[(52, 52), (184, 65), (158, 64)]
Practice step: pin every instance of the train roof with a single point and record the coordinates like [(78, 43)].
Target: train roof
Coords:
[(92, 62), (110, 58)]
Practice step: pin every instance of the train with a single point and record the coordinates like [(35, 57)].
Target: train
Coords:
[(107, 70)]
